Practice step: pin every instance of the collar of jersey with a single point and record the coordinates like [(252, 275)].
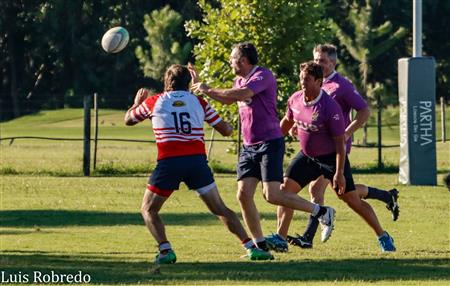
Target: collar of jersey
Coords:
[(330, 76), (311, 103), (251, 73), (175, 92)]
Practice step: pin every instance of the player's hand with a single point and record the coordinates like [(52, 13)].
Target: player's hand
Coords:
[(293, 131), (199, 87), (339, 183), (193, 72), (347, 136), (141, 95)]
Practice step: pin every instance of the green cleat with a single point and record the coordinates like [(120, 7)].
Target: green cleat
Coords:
[(259, 254), (167, 258)]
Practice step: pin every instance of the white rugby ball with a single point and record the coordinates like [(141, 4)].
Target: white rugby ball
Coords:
[(115, 40)]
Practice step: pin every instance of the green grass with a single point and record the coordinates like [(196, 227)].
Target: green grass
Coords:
[(93, 225), (52, 218)]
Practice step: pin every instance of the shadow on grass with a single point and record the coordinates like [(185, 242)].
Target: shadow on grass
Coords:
[(63, 218), (107, 270)]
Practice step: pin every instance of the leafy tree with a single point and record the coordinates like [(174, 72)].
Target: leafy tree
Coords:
[(283, 31), (164, 29), (367, 43)]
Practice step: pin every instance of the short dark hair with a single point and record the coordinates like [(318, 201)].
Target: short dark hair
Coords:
[(247, 50), (330, 49), (312, 69), (177, 77)]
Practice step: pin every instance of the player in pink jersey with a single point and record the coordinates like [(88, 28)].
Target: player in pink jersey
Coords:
[(177, 119), (341, 90), (261, 158)]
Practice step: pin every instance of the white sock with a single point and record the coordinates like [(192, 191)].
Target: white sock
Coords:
[(259, 239), (165, 246), (249, 244), (315, 210), (384, 234)]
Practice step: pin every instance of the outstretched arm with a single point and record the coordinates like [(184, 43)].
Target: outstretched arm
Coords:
[(225, 96)]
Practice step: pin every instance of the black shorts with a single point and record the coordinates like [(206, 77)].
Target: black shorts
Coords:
[(263, 161), (192, 170), (304, 169)]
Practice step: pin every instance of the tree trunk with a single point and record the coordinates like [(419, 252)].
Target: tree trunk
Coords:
[(364, 139), (13, 84)]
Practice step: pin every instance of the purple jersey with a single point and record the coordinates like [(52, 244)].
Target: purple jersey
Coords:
[(317, 122), (259, 119), (344, 92)]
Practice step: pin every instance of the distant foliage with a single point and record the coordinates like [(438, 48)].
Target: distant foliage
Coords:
[(367, 42), (164, 29)]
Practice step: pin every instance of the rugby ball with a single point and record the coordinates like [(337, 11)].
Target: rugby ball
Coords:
[(115, 40)]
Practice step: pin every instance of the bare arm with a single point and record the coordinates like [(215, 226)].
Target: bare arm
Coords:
[(141, 95), (128, 119), (339, 179), (225, 96), (223, 128), (361, 117), (286, 125)]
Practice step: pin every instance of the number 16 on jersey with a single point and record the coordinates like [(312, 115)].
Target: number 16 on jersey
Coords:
[(182, 123)]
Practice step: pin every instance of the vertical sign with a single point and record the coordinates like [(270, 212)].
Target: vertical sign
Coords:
[(417, 93)]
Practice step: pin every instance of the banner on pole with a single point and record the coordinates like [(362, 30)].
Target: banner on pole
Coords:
[(417, 97)]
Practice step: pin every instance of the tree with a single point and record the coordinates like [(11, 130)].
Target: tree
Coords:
[(283, 31), (367, 43), (164, 29)]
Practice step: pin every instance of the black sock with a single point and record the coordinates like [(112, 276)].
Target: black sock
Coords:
[(322, 211), (263, 245), (378, 194), (311, 228)]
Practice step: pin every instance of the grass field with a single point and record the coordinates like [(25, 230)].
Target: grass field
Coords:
[(52, 218)]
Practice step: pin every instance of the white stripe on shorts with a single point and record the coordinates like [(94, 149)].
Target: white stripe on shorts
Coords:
[(205, 189)]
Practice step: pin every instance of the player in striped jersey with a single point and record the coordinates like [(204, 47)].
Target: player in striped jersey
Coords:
[(177, 118)]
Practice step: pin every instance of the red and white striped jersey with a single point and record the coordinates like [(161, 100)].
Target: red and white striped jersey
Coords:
[(177, 120)]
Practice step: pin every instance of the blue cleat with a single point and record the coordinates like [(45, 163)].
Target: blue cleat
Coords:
[(386, 243), (276, 242)]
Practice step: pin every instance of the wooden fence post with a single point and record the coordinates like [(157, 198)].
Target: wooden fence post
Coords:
[(95, 128), (443, 135), (87, 135)]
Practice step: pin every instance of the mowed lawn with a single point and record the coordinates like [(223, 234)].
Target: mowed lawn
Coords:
[(93, 225), (53, 219)]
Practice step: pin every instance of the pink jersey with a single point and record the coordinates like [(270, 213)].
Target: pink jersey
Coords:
[(177, 121), (259, 118), (317, 122), (345, 94)]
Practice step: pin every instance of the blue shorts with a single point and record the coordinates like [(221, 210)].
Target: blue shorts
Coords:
[(304, 169), (263, 161), (192, 170)]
